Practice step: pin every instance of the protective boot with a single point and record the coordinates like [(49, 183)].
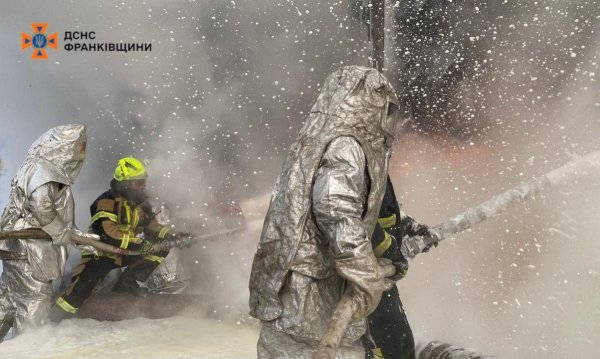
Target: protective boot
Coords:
[(6, 321), (6, 309), (58, 314)]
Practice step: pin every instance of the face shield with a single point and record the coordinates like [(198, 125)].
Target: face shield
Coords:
[(389, 123), (73, 167)]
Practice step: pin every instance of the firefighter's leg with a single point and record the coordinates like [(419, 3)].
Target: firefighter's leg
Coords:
[(28, 298), (273, 344), (85, 277), (7, 310), (389, 328), (138, 270)]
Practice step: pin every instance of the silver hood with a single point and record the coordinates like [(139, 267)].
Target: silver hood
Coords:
[(58, 155)]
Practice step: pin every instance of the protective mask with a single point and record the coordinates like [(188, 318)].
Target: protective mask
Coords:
[(136, 196), (72, 169)]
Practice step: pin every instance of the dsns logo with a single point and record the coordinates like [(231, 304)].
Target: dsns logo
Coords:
[(39, 40)]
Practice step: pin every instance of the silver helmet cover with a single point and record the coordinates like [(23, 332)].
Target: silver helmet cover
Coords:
[(58, 154)]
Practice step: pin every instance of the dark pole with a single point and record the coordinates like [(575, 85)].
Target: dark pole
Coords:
[(378, 33)]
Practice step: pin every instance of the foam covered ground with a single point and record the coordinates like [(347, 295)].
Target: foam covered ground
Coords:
[(177, 337)]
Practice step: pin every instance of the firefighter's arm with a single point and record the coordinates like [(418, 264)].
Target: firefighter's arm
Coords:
[(156, 230), (42, 206), (339, 199), (105, 224)]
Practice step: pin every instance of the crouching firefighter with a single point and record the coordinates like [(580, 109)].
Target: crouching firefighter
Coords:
[(391, 336), (123, 218), (40, 197)]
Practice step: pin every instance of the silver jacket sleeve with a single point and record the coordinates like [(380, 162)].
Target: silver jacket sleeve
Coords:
[(339, 200), (42, 206)]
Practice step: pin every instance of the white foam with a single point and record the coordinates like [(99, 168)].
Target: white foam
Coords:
[(138, 338)]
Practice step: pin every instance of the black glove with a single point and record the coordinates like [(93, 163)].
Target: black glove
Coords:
[(423, 230)]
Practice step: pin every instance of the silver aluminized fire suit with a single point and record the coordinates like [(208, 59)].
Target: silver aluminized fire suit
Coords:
[(316, 236), (40, 198)]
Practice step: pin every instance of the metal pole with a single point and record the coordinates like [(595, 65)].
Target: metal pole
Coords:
[(378, 33), (337, 326)]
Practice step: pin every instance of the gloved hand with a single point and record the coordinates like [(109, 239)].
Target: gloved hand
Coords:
[(423, 230), (367, 298), (147, 248), (386, 267), (59, 231), (419, 230)]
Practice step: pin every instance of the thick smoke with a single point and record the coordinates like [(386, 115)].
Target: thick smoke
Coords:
[(212, 108), (497, 92)]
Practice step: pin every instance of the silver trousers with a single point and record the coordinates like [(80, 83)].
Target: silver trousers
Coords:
[(24, 300), (273, 344)]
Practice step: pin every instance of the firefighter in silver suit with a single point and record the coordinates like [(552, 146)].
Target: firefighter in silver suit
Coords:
[(315, 241), (40, 197)]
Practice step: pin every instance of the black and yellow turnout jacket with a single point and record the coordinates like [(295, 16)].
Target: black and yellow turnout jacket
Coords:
[(121, 222)]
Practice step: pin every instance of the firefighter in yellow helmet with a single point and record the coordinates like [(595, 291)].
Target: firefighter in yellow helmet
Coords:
[(122, 218)]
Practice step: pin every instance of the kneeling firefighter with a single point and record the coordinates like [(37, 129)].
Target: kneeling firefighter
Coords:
[(122, 217)]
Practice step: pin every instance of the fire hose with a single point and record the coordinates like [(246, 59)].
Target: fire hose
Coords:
[(92, 240), (412, 246)]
